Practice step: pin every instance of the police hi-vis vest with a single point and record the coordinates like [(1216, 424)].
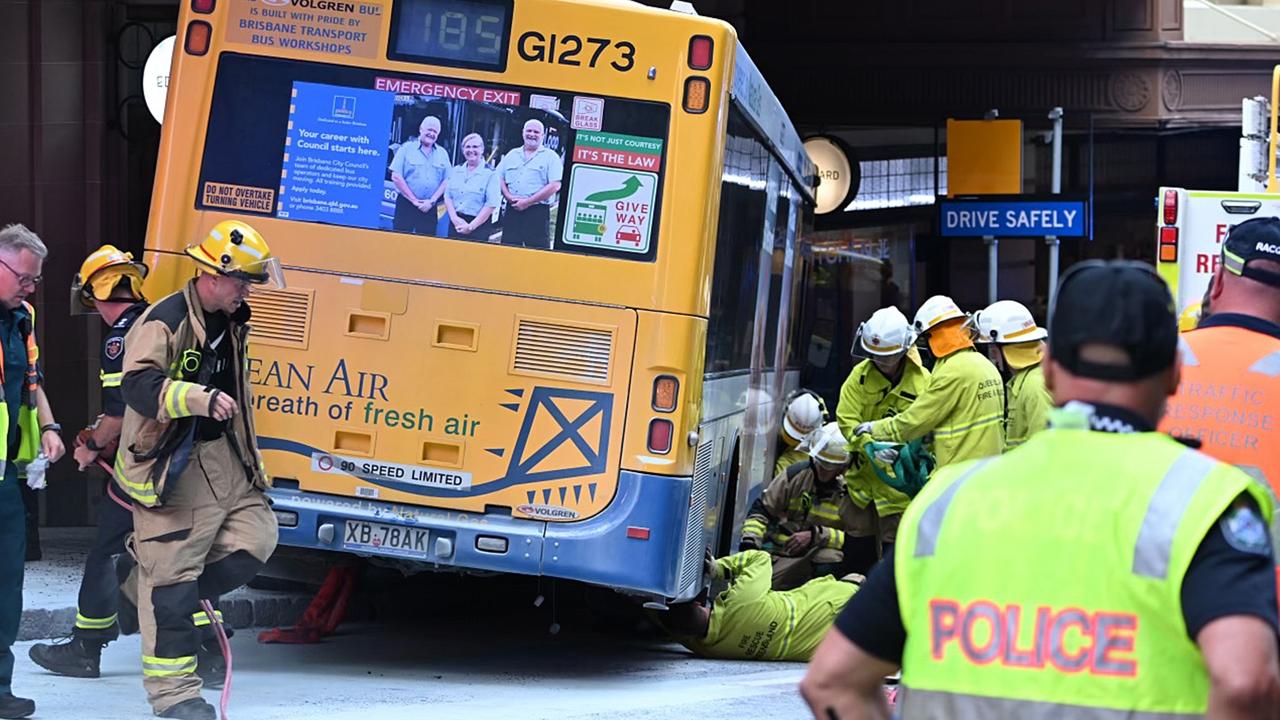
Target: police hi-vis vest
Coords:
[(28, 423), (1046, 583)]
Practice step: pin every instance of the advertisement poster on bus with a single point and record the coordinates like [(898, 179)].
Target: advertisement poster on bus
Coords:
[(513, 166)]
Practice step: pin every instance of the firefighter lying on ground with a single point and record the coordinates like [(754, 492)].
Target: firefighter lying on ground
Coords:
[(749, 621)]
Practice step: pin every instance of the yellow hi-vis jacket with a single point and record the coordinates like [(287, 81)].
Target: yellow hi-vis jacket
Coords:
[(1029, 406), (962, 407), (1060, 598), (28, 423), (865, 396), (750, 621)]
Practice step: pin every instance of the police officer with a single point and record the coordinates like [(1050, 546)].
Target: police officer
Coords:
[(1229, 399), (883, 384), (1100, 570), (28, 429), (962, 408), (1008, 326), (110, 284), (202, 525), (803, 516)]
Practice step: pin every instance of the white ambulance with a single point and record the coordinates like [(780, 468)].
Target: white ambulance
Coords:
[(1190, 226)]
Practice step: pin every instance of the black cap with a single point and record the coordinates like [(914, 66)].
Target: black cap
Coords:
[(1122, 304), (1255, 239)]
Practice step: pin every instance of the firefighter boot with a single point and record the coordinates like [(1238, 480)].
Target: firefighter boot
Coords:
[(77, 657), (193, 709), (211, 666)]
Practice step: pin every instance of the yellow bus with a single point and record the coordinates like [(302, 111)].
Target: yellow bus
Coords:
[(540, 255)]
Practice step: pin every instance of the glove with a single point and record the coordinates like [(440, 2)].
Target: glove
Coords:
[(888, 456), (710, 568), (862, 429), (748, 542), (35, 472)]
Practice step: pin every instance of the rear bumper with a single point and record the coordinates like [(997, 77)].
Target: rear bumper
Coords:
[(611, 549)]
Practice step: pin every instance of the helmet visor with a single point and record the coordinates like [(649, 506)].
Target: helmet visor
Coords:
[(79, 302), (267, 274)]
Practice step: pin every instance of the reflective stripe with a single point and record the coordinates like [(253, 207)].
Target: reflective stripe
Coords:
[(1188, 355), (88, 623), (110, 379), (932, 517), (940, 432), (1164, 514), (201, 618), (168, 667), (956, 706), (835, 539), (175, 398), (142, 492), (791, 625), (1268, 365)]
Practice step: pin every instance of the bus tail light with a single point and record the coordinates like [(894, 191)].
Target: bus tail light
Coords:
[(203, 7), (697, 94), (660, 432), (199, 33), (666, 391), (1170, 207), (637, 533), (700, 54), (1168, 244)]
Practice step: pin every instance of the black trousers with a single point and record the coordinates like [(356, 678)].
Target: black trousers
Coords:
[(409, 218), (105, 568), (529, 228), (478, 234)]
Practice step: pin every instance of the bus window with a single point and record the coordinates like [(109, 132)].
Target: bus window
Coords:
[(360, 148)]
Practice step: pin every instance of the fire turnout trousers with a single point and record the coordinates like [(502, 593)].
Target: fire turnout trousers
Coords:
[(213, 534), (98, 602)]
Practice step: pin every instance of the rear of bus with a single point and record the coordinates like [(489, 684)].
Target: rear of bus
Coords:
[(479, 403)]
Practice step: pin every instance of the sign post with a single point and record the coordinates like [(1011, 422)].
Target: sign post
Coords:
[(1056, 116)]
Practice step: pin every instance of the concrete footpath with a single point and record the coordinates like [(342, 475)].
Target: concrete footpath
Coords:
[(52, 584)]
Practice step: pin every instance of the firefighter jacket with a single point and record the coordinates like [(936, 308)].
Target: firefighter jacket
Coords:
[(750, 621), (1029, 406), (962, 407), (167, 369), (868, 395), (795, 501)]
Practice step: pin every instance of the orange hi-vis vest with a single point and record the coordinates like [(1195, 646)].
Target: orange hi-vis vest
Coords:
[(1229, 398)]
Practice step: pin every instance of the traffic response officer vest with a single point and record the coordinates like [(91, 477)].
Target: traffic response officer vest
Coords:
[(28, 423), (1229, 400), (1048, 581), (865, 396)]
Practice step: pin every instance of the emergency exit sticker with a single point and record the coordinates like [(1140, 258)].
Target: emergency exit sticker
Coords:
[(610, 208)]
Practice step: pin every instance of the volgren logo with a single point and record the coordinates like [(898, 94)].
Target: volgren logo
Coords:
[(1268, 247)]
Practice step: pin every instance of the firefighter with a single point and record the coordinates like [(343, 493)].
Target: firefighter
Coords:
[(1100, 570), (749, 621), (963, 405), (110, 284), (804, 514), (1009, 327), (202, 524), (805, 414), (884, 383)]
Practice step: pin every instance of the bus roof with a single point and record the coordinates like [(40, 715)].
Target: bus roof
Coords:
[(762, 108)]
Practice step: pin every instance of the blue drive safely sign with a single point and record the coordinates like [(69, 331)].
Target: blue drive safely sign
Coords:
[(1029, 217)]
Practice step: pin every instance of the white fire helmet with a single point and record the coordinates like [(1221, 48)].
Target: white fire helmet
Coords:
[(804, 415), (885, 334), (1005, 322), (936, 309), (828, 445)]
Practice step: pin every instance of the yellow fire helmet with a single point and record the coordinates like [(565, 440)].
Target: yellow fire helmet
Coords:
[(236, 250), (101, 273)]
